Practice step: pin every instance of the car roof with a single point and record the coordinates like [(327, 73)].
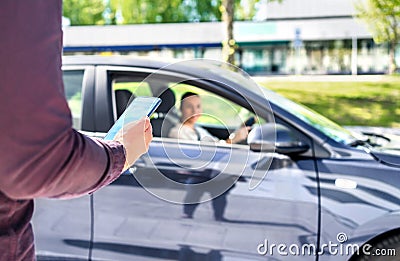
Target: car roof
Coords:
[(192, 67), (218, 71), (114, 60)]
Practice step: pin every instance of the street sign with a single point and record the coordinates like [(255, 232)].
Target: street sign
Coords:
[(297, 39)]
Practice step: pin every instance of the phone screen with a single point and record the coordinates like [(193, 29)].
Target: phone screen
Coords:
[(139, 108)]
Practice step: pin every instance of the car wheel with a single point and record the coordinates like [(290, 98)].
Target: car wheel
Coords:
[(387, 249)]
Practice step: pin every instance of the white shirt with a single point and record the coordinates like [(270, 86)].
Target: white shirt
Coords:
[(181, 131)]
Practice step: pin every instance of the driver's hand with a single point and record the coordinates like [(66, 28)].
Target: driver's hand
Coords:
[(240, 134)]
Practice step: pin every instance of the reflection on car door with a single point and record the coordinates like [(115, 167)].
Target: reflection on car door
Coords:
[(62, 227), (138, 217)]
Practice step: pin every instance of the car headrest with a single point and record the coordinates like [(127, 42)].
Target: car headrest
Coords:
[(122, 98), (168, 101)]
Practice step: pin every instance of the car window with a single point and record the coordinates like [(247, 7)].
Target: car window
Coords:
[(220, 116), (217, 111), (73, 80), (137, 87), (127, 88)]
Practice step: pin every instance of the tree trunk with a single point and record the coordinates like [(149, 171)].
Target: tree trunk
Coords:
[(392, 59), (228, 45)]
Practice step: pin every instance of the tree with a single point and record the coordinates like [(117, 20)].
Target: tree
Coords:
[(90, 12), (84, 12), (145, 11), (228, 44), (383, 20), (235, 10)]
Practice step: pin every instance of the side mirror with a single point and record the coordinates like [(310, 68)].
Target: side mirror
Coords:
[(272, 137)]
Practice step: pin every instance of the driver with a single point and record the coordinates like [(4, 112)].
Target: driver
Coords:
[(187, 129)]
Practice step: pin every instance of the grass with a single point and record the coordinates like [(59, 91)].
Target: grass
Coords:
[(347, 103)]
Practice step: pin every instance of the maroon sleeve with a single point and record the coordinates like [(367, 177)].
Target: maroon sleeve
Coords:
[(40, 153)]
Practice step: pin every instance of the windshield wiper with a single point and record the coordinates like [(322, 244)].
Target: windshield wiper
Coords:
[(369, 138), (359, 142), (367, 146), (376, 135)]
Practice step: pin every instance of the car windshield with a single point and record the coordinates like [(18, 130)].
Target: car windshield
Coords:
[(328, 127)]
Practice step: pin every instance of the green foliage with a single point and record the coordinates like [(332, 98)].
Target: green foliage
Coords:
[(145, 11), (84, 12), (142, 11), (347, 103), (247, 9), (97, 12), (243, 12), (382, 18)]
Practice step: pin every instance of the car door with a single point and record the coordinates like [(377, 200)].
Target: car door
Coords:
[(62, 227), (264, 199)]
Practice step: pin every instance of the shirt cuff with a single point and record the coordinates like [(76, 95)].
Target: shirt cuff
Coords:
[(116, 161)]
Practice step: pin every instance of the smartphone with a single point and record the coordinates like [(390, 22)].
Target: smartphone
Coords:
[(137, 109)]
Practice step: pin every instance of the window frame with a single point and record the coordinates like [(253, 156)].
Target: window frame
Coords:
[(87, 94)]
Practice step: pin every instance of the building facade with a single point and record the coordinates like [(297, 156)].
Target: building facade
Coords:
[(293, 37)]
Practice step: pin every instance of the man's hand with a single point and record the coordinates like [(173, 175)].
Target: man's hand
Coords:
[(136, 138)]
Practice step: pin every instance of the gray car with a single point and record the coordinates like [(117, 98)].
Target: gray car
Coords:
[(299, 188)]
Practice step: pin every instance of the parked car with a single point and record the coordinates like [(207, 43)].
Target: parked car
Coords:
[(300, 188)]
